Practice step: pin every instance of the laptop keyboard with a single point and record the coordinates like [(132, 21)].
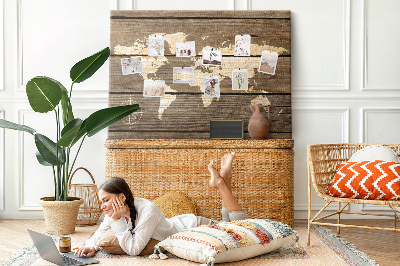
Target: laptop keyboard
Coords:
[(71, 261)]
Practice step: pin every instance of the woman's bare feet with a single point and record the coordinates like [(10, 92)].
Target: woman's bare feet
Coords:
[(226, 168), (215, 179)]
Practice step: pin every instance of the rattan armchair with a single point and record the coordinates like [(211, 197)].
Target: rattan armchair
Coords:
[(322, 161)]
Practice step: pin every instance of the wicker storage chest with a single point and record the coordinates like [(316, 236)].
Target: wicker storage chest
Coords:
[(262, 172)]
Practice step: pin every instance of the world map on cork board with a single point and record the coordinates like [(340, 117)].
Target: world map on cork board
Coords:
[(185, 68)]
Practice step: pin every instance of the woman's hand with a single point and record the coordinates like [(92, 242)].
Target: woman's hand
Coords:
[(119, 209), (85, 252)]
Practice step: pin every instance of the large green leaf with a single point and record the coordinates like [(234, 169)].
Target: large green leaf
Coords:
[(49, 151), (82, 131), (69, 132), (66, 106), (11, 125), (105, 117), (41, 160), (85, 68), (43, 93)]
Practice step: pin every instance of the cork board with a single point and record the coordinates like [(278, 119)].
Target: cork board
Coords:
[(184, 112)]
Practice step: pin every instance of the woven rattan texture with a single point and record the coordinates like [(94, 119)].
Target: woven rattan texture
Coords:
[(60, 216), (262, 177), (323, 159), (90, 211)]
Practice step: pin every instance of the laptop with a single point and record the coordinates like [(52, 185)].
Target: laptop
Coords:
[(48, 251)]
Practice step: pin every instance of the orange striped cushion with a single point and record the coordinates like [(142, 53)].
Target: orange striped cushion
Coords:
[(371, 180)]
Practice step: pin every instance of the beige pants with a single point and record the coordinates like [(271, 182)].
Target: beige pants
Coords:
[(226, 217)]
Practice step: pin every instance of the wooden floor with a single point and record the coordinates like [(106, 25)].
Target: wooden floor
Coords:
[(381, 246)]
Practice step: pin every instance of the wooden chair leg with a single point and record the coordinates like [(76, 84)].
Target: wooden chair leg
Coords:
[(338, 219), (308, 234)]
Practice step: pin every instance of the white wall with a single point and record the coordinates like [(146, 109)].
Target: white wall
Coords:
[(345, 85)]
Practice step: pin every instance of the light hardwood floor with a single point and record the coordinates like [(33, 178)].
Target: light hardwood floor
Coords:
[(382, 246)]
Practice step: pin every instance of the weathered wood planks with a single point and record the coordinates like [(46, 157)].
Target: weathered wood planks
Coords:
[(184, 112)]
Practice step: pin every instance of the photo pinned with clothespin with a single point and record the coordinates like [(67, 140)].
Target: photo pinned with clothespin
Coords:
[(183, 75), (242, 45), (268, 62), (185, 49), (156, 45), (211, 87), (154, 88), (132, 65), (212, 57), (240, 79)]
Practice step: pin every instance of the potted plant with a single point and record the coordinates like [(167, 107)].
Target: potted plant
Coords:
[(46, 94)]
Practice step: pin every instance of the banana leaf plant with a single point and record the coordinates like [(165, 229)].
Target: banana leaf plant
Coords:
[(46, 94)]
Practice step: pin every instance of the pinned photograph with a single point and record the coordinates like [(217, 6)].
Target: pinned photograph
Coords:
[(268, 62), (183, 75), (185, 49), (211, 87), (240, 79), (212, 57), (242, 45), (156, 45), (132, 65), (154, 88)]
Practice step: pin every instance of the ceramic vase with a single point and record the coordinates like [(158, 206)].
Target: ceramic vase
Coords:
[(259, 123)]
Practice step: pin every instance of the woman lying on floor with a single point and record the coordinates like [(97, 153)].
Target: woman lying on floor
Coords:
[(135, 220)]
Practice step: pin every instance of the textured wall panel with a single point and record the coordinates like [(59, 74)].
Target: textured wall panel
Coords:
[(184, 112)]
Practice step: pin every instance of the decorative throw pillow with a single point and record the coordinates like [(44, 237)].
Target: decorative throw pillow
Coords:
[(373, 153), (109, 243), (227, 241), (174, 203), (372, 180)]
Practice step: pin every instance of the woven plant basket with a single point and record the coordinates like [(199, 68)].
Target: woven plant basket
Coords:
[(90, 211), (60, 216)]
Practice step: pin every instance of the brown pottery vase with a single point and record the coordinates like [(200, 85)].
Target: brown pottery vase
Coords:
[(259, 123)]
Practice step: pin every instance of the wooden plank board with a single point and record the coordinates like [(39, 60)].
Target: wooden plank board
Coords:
[(184, 112), (162, 69)]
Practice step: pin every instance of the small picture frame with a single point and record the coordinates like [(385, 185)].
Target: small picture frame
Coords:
[(185, 49), (268, 62), (242, 45), (211, 87), (156, 45), (132, 65), (183, 75), (154, 88), (212, 57), (240, 79)]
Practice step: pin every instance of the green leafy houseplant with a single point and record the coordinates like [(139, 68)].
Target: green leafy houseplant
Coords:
[(46, 94)]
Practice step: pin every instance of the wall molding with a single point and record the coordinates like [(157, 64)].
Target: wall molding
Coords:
[(345, 85), (317, 207), (20, 53), (369, 207), (249, 4), (344, 111), (365, 85), (2, 47), (2, 165), (19, 47), (364, 119)]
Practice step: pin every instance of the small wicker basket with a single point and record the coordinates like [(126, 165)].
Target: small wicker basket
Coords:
[(90, 211)]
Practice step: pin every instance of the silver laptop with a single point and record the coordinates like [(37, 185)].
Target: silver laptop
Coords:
[(48, 251)]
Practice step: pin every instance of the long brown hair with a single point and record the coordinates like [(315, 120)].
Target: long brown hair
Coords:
[(118, 185)]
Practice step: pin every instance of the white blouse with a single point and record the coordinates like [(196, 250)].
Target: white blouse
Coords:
[(150, 223)]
